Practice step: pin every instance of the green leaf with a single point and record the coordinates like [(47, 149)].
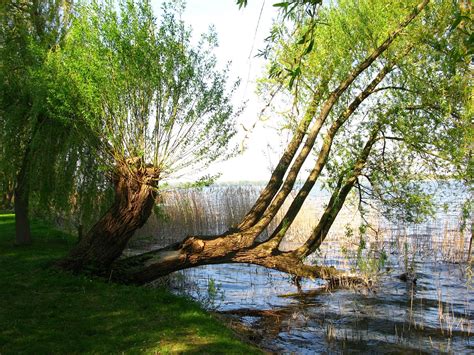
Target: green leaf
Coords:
[(293, 75), (456, 22), (303, 39), (309, 48), (241, 3), (284, 4)]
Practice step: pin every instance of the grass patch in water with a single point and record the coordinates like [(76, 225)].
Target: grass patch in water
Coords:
[(45, 311)]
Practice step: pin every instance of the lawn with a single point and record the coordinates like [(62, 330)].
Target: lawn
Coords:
[(46, 311)]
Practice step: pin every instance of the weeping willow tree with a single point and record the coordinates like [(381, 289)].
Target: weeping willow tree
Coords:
[(378, 97), (29, 30), (155, 105)]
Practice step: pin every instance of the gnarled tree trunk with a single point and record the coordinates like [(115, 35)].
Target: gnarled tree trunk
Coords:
[(135, 193)]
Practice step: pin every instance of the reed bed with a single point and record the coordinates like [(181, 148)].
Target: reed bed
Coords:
[(212, 210)]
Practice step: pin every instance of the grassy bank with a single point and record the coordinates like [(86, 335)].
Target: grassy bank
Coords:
[(43, 311)]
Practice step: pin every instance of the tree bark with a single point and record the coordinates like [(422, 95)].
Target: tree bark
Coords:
[(21, 203), (196, 251), (135, 194)]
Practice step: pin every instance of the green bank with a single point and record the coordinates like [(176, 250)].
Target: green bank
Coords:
[(45, 311)]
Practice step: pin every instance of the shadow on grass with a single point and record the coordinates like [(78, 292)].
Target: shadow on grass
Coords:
[(43, 311)]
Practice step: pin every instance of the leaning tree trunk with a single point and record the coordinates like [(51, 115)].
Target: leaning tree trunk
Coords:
[(196, 251), (135, 193)]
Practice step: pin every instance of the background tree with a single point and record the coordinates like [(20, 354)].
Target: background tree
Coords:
[(29, 30), (156, 105)]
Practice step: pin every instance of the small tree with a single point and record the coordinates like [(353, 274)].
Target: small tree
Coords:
[(155, 104)]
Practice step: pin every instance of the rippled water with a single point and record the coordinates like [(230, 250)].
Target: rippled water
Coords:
[(433, 314)]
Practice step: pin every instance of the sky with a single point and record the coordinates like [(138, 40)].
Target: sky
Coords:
[(241, 33)]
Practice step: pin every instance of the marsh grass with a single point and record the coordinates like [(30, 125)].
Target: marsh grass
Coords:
[(355, 242), (45, 312)]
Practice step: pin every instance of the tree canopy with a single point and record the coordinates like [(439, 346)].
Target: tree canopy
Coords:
[(417, 96), (149, 95)]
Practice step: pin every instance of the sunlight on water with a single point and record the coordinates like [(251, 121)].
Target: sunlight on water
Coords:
[(432, 314)]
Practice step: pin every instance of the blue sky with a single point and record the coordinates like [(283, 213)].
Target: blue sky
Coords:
[(241, 33)]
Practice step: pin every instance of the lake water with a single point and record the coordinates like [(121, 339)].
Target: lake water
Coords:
[(434, 314)]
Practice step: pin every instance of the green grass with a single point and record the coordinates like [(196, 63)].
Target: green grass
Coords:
[(46, 311)]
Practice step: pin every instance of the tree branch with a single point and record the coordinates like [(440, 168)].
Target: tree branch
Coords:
[(337, 199), (282, 228), (258, 213)]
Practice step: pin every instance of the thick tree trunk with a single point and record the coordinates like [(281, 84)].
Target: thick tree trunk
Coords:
[(134, 200), (196, 251), (21, 204)]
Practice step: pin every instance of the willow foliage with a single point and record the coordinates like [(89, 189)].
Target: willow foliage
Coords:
[(33, 138), (91, 87), (422, 105), (141, 87)]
